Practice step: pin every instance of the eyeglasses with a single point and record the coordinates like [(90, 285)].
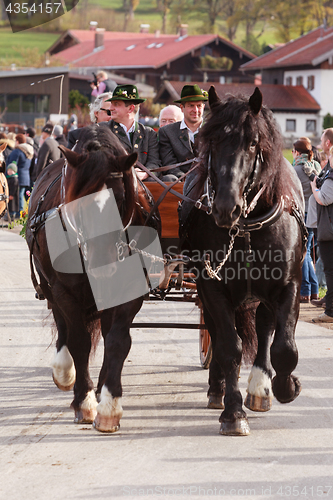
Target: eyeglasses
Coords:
[(107, 111)]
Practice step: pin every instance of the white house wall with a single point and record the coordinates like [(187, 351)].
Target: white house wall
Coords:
[(323, 86), (326, 101), (300, 131)]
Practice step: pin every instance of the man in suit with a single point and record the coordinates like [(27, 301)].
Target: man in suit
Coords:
[(134, 136), (176, 141)]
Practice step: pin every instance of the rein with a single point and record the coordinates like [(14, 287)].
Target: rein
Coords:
[(167, 188)]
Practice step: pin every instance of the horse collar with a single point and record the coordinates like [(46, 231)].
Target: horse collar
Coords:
[(242, 229), (266, 220)]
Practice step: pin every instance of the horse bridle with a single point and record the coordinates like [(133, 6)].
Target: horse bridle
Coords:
[(252, 181), (245, 225)]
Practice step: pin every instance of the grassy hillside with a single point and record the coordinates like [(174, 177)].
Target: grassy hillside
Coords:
[(23, 48)]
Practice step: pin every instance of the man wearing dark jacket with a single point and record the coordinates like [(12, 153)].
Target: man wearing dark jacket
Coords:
[(134, 136), (31, 136), (58, 135), (49, 151), (177, 140)]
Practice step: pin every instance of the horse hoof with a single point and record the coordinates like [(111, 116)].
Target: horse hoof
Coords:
[(84, 416), (257, 403), (106, 424), (215, 403), (239, 427), (287, 390), (64, 388)]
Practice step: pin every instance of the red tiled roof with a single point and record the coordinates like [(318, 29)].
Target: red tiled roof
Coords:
[(309, 49), (275, 97), (141, 50), (89, 35), (80, 36)]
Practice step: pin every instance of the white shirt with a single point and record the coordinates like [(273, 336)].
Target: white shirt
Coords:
[(131, 129), (190, 133)]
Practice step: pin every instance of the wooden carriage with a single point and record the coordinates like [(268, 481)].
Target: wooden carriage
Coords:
[(181, 281)]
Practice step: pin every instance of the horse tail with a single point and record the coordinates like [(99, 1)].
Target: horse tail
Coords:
[(245, 319), (94, 329)]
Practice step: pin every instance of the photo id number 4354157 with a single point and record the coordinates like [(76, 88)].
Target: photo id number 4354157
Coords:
[(35, 8), (304, 492)]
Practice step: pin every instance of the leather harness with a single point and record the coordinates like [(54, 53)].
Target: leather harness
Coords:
[(243, 228)]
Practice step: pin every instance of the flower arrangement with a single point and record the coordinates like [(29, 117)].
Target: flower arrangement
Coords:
[(23, 218), (124, 93)]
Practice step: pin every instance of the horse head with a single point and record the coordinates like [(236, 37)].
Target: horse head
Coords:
[(99, 199), (97, 169), (234, 154)]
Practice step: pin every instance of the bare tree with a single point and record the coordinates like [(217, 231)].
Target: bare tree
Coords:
[(129, 6)]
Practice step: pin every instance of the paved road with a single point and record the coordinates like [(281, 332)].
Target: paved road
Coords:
[(168, 445)]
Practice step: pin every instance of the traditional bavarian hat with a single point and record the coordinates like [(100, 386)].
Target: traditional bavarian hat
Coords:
[(192, 93), (127, 93)]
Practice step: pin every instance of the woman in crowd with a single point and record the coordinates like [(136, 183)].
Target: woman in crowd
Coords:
[(99, 109), (22, 156), (306, 169)]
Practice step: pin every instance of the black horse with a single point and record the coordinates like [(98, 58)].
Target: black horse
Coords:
[(249, 250), (66, 204)]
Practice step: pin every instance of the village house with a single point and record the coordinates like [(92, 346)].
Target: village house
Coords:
[(152, 57), (305, 63)]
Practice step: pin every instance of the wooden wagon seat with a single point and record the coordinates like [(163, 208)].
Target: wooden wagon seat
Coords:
[(168, 208)]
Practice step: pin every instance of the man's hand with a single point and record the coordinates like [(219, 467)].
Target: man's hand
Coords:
[(141, 175), (313, 184)]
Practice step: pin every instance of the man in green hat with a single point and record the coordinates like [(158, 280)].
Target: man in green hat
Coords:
[(134, 136), (176, 141)]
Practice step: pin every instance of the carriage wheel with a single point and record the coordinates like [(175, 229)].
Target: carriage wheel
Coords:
[(205, 344)]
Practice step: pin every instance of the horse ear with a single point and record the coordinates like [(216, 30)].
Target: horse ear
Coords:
[(3, 147), (125, 162), (255, 101), (71, 156), (213, 98)]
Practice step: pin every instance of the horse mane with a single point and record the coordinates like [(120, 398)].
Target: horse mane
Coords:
[(99, 148), (232, 121)]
